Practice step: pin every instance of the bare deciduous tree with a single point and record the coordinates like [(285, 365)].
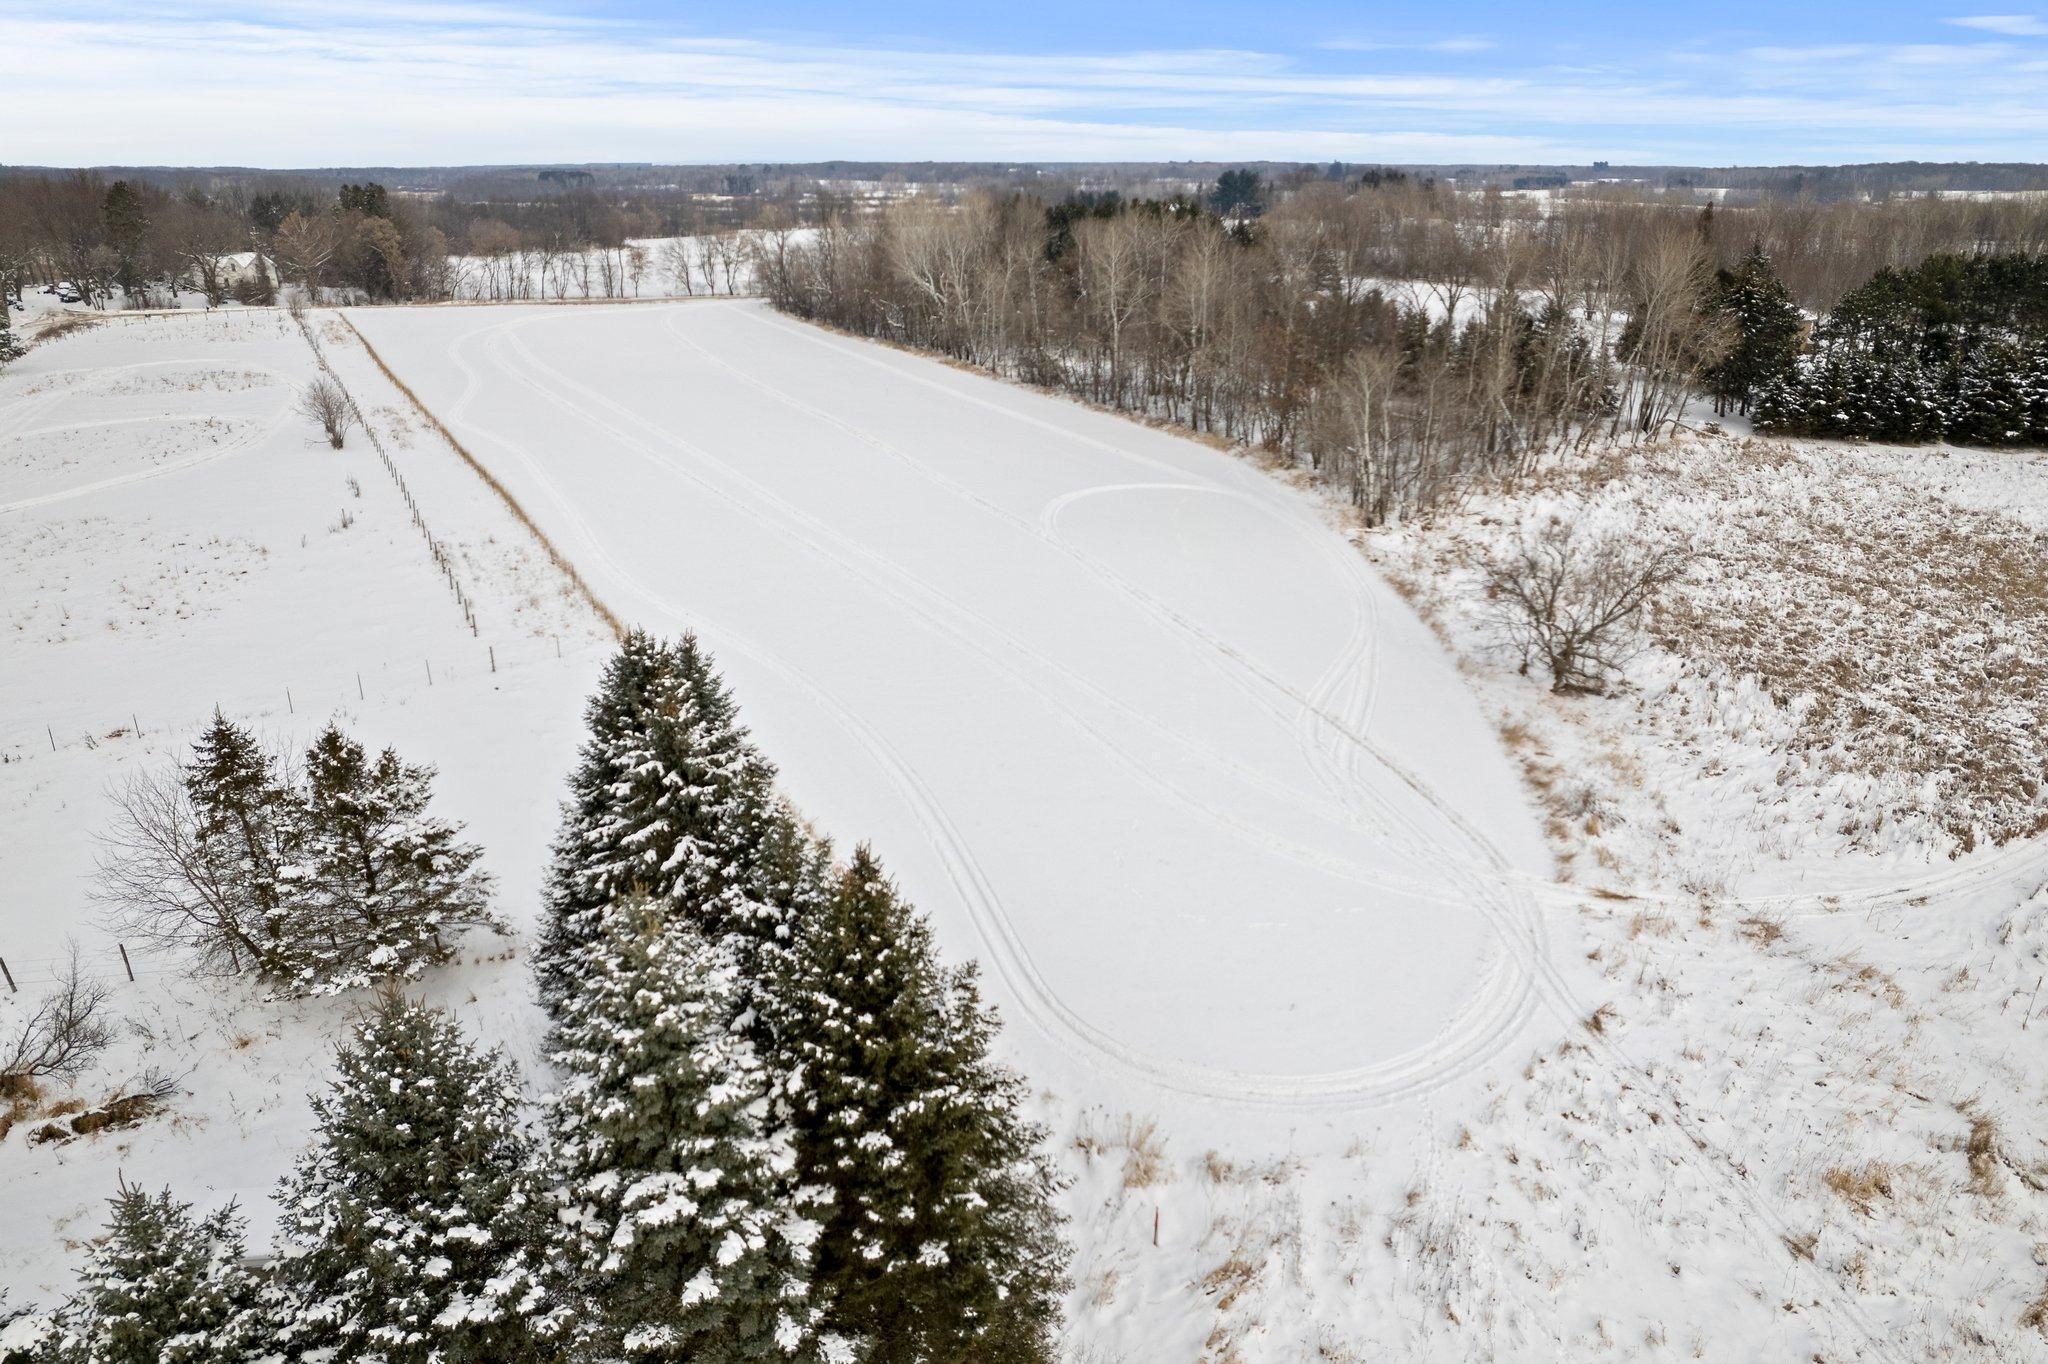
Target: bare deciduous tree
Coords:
[(1570, 598), (168, 887), (323, 401), (63, 1035)]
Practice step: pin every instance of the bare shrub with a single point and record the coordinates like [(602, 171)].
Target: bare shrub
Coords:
[(1761, 929), (324, 402), (61, 1038), (1144, 1155), (1570, 599)]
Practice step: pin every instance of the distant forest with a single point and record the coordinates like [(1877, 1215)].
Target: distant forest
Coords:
[(1408, 333)]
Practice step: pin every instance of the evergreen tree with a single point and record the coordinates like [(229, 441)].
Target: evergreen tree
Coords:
[(941, 1244), (127, 229), (1767, 329), (693, 1238), (1238, 194), (10, 348), (244, 828), (412, 1231), (163, 1287), (377, 880), (670, 800)]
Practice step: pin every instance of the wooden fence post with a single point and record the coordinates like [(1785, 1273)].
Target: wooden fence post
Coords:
[(12, 988), (125, 963)]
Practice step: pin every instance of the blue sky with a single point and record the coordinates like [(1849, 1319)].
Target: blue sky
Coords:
[(363, 82)]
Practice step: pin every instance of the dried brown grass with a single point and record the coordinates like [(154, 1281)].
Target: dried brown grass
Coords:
[(1862, 1186)]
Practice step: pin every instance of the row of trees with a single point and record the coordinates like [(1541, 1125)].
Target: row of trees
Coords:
[(140, 243), (777, 1131), (1301, 333), (1954, 348), (868, 1152), (316, 878)]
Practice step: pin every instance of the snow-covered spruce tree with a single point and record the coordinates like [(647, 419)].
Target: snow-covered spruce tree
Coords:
[(414, 1230), (10, 348), (377, 882), (691, 1234), (162, 1287), (244, 821), (1767, 330), (941, 1244), (670, 800)]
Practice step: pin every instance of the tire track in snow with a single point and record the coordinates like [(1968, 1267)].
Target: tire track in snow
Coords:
[(2015, 863), (1046, 529)]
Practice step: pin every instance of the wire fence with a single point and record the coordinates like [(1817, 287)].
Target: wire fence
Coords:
[(64, 730), (96, 726), (443, 560), (109, 962)]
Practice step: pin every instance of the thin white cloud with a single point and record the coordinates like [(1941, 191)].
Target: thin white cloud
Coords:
[(326, 82), (1462, 43), (2012, 25)]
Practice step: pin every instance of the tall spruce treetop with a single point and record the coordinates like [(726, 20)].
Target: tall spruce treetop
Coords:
[(244, 824), (163, 1287), (670, 800), (242, 803), (1768, 328), (941, 1243), (693, 1236), (411, 1231)]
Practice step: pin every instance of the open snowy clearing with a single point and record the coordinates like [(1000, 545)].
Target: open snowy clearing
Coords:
[(1341, 1070), (1167, 794)]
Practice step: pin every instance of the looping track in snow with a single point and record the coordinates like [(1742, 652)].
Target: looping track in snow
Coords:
[(1110, 700)]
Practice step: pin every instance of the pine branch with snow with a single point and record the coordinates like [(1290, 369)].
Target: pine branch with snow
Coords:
[(684, 1215), (942, 1241), (162, 1287), (672, 801), (414, 1230)]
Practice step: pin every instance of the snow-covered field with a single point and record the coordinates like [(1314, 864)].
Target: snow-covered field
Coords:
[(1341, 1066), (172, 538)]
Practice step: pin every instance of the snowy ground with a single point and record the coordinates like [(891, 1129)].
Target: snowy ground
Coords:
[(1341, 1067), (172, 538)]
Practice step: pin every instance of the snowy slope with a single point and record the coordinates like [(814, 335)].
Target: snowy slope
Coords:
[(1339, 1067)]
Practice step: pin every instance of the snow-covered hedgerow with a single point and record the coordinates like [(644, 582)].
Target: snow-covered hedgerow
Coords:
[(1882, 643)]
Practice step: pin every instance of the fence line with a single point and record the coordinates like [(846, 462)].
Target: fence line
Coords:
[(555, 556), (110, 963), (487, 660), (443, 560)]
